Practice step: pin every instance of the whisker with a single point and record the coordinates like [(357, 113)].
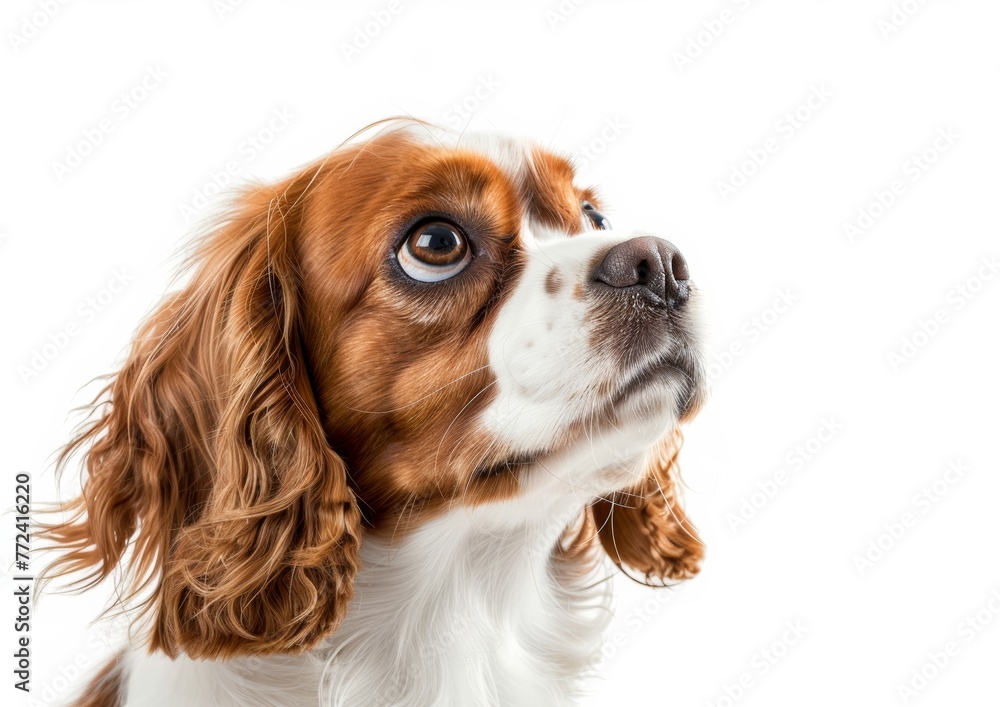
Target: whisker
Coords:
[(673, 514), (437, 453), (421, 398)]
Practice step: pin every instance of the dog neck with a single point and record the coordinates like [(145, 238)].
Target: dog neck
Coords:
[(468, 609), (470, 606)]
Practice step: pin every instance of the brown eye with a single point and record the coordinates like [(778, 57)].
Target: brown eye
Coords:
[(596, 217), (434, 251)]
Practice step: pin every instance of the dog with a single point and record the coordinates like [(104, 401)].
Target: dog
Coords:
[(388, 442)]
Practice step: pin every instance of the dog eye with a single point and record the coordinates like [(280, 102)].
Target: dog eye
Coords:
[(434, 251), (596, 217)]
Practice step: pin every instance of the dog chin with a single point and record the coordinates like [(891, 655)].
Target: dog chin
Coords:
[(610, 455)]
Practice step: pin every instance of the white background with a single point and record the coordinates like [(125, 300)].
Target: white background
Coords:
[(680, 130)]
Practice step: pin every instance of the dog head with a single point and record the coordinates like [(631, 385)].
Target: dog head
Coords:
[(415, 322)]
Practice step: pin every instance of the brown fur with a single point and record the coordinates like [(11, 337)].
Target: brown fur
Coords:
[(551, 195), (645, 528), (106, 688), (211, 459)]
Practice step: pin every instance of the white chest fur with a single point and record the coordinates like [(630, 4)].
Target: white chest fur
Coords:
[(463, 612)]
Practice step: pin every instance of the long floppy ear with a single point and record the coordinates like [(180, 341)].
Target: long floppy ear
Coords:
[(208, 461), (644, 528)]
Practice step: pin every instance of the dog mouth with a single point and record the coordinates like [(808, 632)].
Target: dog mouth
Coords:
[(661, 370), (511, 465), (674, 376), (677, 375)]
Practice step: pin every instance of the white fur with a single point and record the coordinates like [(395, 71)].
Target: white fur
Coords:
[(470, 610), (546, 369)]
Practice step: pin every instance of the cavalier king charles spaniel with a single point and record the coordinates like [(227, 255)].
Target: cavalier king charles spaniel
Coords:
[(384, 445)]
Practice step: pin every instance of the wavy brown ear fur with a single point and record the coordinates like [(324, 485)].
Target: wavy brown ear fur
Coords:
[(209, 463), (644, 528)]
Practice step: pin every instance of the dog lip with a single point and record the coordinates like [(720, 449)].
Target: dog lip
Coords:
[(659, 369), (510, 464)]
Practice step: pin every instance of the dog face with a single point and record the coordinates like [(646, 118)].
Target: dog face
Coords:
[(406, 326)]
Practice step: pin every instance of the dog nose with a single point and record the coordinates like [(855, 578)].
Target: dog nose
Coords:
[(651, 265)]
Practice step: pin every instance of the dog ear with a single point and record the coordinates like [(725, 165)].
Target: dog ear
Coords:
[(644, 528), (209, 459)]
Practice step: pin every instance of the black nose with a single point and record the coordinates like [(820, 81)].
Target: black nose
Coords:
[(652, 265)]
